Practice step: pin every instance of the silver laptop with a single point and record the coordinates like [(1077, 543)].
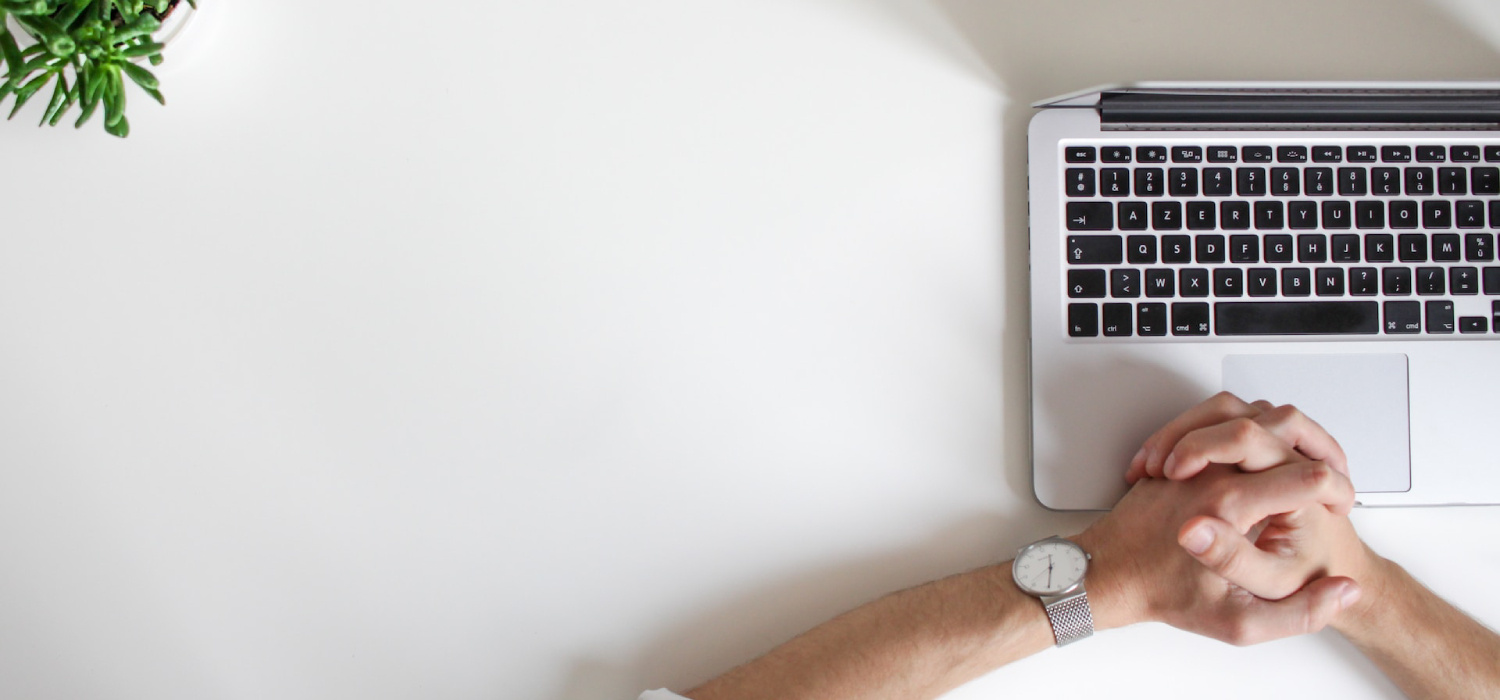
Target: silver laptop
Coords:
[(1327, 246)]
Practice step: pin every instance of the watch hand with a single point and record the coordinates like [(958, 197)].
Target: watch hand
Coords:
[(1049, 572)]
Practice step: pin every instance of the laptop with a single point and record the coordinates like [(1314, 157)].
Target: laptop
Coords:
[(1327, 246)]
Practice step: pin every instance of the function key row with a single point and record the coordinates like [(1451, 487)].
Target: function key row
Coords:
[(1281, 154)]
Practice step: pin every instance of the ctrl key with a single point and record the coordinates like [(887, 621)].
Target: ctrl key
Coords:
[(1403, 317), (1083, 320)]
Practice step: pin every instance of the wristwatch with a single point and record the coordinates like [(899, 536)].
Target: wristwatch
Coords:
[(1053, 570)]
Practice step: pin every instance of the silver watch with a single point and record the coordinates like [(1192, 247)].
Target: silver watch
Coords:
[(1053, 570)]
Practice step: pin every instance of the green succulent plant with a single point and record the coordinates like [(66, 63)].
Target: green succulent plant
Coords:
[(96, 42)]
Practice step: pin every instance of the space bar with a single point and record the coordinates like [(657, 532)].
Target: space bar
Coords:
[(1296, 317)]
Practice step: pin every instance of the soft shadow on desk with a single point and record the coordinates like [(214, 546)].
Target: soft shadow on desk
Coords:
[(735, 631)]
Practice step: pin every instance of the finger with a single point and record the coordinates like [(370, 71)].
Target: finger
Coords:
[(1240, 441), (1304, 612), (1220, 407), (1246, 499), (1305, 435), (1222, 549)]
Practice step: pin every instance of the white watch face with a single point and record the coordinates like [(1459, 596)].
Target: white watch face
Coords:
[(1050, 567)]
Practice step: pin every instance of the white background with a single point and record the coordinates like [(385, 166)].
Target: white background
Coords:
[(563, 349)]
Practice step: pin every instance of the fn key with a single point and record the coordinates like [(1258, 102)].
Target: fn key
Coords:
[(1083, 320)]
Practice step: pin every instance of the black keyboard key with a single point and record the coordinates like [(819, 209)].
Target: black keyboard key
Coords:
[(1090, 216), (1318, 181), (1244, 249), (1336, 214), (1431, 154), (1360, 154), (1327, 154), (1182, 182), (1302, 214), (1187, 154), (1229, 282), (1492, 154), (1291, 154), (1284, 182), (1446, 247), (1080, 182), (1151, 319), (1473, 324), (1200, 216), (1479, 247), (1345, 248), (1437, 213), (1222, 154), (1296, 281), (1278, 248), (1256, 154), (1192, 282), (1395, 281), (1453, 181), (1364, 281), (1118, 319), (1189, 318), (1176, 249), (1114, 182), (1385, 181), (1269, 216), (1412, 247), (1380, 247), (1132, 216), (1352, 182), (1404, 213), (1115, 154), (1079, 154), (1166, 216), (1151, 154), (1125, 283), (1148, 182), (1160, 283), (1330, 281), (1395, 154), (1086, 284), (1463, 154), (1234, 215), (1217, 182), (1418, 181), (1083, 320), (1296, 318), (1402, 317), (1140, 250), (1261, 282), (1095, 250), (1209, 248), (1312, 248), (1250, 182), (1369, 214), (1439, 316), (1468, 213), (1484, 180), (1492, 282), (1431, 282), (1463, 280)]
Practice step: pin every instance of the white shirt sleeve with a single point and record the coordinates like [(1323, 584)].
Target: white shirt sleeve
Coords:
[(661, 694)]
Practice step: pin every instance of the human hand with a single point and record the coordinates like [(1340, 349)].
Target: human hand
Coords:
[(1274, 537)]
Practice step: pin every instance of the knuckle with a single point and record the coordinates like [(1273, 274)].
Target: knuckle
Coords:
[(1244, 429), (1241, 632), (1317, 476)]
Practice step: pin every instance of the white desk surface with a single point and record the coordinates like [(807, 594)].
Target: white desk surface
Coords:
[(560, 350)]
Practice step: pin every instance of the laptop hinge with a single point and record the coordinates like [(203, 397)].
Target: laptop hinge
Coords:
[(1291, 109)]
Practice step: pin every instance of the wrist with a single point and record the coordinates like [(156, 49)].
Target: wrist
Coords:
[(1110, 583), (1376, 577)]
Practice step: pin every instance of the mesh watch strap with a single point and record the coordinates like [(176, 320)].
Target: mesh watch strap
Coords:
[(1071, 619)]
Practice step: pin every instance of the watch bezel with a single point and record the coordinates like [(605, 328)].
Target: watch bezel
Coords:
[(1021, 553)]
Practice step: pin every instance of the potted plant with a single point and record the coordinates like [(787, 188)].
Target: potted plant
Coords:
[(85, 49)]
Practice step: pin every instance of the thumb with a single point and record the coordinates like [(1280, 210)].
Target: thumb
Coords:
[(1303, 612)]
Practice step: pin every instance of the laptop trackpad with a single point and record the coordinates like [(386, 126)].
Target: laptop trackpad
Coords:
[(1360, 399)]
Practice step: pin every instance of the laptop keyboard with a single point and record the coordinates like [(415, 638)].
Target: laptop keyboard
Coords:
[(1282, 239)]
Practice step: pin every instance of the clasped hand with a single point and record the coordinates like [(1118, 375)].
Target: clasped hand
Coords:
[(1236, 527)]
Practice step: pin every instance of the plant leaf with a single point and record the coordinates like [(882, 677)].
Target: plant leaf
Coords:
[(141, 76), (67, 103), (59, 91), (120, 128), (145, 25), (24, 93), (12, 54), (146, 49)]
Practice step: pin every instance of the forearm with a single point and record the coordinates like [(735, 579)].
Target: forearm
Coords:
[(1427, 647), (918, 643)]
